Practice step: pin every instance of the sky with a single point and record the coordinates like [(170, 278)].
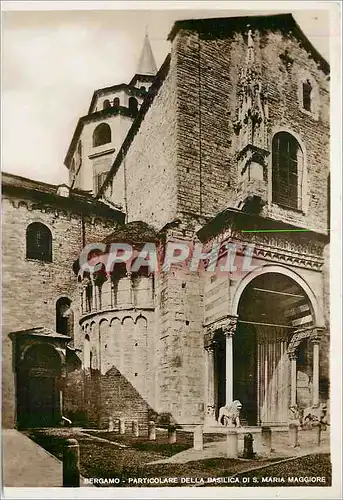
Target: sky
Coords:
[(53, 60)]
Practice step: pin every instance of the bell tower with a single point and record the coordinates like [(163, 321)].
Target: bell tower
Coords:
[(100, 134)]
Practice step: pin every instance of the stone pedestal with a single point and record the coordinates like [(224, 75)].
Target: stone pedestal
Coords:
[(266, 438), (293, 435), (171, 434), (231, 444), (71, 464), (121, 426), (198, 439), (135, 428), (152, 430)]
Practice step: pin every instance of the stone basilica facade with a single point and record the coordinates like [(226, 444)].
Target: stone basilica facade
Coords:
[(227, 144)]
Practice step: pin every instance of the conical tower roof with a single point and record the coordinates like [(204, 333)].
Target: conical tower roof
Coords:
[(146, 63)]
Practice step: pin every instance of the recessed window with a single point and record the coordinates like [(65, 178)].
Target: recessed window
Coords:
[(99, 180), (38, 242), (64, 317), (133, 105), (106, 104), (286, 165), (116, 102), (102, 135), (307, 97)]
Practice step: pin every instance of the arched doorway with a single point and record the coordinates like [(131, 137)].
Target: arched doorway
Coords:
[(270, 309), (39, 387)]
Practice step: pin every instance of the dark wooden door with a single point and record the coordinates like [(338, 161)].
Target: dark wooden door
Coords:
[(42, 399)]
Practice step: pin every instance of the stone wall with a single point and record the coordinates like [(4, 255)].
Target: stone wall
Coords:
[(146, 178), (30, 287), (208, 72)]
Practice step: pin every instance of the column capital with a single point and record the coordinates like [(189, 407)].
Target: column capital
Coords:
[(292, 355), (317, 334), (208, 341), (229, 328)]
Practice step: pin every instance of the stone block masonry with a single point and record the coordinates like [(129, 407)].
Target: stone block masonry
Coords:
[(30, 287)]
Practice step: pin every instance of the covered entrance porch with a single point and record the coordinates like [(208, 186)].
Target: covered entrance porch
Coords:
[(266, 356), (39, 370)]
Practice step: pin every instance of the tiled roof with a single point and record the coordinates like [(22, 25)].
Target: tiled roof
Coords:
[(41, 331), (77, 201)]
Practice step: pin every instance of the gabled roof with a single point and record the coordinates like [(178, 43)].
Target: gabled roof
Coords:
[(223, 26)]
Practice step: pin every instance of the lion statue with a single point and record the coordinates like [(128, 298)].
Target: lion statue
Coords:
[(315, 414), (229, 414)]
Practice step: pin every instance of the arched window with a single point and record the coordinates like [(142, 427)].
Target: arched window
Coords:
[(89, 296), (101, 135), (286, 167), (133, 105), (64, 317), (116, 102), (38, 242), (106, 104), (307, 98), (87, 352)]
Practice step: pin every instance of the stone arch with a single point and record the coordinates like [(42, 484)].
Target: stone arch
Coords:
[(23, 204), (102, 134), (106, 104), (105, 344), (133, 104), (42, 220), (59, 351), (271, 268), (94, 345), (116, 342), (86, 352), (64, 316), (127, 329)]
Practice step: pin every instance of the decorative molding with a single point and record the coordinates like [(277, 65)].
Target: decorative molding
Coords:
[(313, 333), (279, 249), (227, 325), (101, 153)]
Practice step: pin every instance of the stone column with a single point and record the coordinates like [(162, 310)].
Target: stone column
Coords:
[(293, 359), (94, 301), (106, 292), (210, 404), (315, 376), (229, 331)]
